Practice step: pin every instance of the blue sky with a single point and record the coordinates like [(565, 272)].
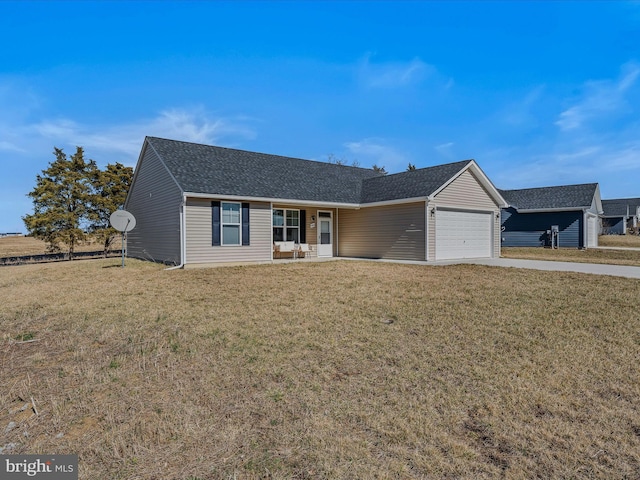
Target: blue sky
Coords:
[(539, 93)]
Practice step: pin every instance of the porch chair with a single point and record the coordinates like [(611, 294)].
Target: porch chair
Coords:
[(303, 249), (283, 247)]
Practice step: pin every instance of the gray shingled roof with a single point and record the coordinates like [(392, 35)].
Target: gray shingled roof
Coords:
[(617, 207), (418, 183), (225, 171), (208, 169), (565, 196)]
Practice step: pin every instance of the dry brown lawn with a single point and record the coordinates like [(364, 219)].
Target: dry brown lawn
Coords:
[(619, 241), (321, 370), (19, 246), (591, 255)]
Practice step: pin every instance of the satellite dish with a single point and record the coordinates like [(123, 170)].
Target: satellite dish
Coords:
[(122, 221)]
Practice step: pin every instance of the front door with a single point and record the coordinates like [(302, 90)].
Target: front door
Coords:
[(325, 234)]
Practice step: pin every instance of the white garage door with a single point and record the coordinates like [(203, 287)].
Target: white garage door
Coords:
[(461, 234)]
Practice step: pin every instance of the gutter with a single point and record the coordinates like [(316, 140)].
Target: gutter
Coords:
[(183, 235)]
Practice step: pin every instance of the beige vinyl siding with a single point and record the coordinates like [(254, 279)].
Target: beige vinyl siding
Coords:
[(390, 232), (199, 235), (464, 193), (155, 203)]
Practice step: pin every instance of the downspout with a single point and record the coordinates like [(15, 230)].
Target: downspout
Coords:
[(183, 235), (336, 235), (271, 234), (585, 229)]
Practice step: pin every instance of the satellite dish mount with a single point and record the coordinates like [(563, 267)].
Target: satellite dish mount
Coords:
[(124, 222)]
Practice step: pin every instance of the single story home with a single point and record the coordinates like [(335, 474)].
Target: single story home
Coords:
[(200, 204), (533, 213), (620, 214)]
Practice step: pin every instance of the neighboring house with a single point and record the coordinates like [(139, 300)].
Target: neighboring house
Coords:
[(574, 209), (620, 214), (201, 204)]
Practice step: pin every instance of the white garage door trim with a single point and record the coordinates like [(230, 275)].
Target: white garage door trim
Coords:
[(463, 234), (592, 231)]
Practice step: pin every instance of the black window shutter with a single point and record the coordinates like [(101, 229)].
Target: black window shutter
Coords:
[(215, 212), (303, 226), (245, 224)]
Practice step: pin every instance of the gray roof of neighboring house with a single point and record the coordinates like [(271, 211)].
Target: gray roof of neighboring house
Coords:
[(208, 169), (618, 207), (571, 197)]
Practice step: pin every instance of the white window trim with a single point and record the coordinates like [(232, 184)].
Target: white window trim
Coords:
[(285, 226), (223, 223)]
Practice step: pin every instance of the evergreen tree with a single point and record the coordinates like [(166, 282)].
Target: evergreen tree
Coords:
[(61, 201), (110, 191), (378, 169)]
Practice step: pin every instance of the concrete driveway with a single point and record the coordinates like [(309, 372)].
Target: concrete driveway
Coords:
[(596, 269)]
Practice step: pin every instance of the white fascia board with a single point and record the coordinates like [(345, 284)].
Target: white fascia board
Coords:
[(289, 201), (597, 200), (397, 201), (482, 178), (309, 203)]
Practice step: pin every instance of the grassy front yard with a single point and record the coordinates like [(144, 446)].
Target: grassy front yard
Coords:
[(592, 255), (619, 241), (321, 370)]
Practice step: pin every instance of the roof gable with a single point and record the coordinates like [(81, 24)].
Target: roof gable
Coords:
[(570, 197)]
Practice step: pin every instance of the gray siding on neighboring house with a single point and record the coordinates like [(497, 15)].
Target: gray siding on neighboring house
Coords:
[(613, 226), (391, 232), (154, 201), (465, 192), (529, 229), (200, 235)]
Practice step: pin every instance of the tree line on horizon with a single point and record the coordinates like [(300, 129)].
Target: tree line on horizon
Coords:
[(331, 158), (73, 200)]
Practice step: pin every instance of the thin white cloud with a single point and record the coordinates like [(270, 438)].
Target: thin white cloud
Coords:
[(610, 162), (374, 151), (392, 74), (124, 140), (55, 129), (601, 98), (598, 139), (519, 113), (444, 149), (10, 147)]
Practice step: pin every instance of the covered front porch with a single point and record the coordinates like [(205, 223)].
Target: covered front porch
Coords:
[(304, 232)]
